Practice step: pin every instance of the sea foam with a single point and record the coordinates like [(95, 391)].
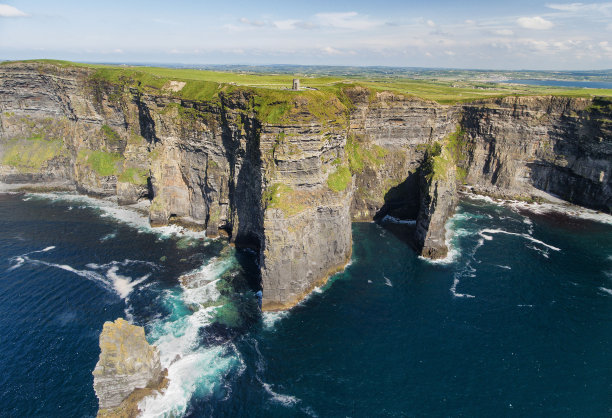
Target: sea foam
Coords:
[(193, 369)]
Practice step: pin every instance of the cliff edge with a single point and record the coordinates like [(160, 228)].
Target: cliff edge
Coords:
[(285, 172)]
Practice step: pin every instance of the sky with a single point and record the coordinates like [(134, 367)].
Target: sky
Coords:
[(477, 34)]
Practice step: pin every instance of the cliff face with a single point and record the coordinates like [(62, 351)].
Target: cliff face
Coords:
[(521, 147), (286, 175), (278, 187), (392, 133)]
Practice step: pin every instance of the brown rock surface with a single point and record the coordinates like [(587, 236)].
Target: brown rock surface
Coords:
[(128, 369), (219, 165)]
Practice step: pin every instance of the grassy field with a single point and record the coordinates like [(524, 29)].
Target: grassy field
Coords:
[(202, 84)]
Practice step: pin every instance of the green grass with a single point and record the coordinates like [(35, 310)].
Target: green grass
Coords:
[(31, 154), (441, 156), (110, 134), (361, 156), (283, 197), (103, 163), (273, 101), (134, 176), (340, 179), (601, 105)]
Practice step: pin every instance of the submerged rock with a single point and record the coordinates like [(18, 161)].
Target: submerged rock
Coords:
[(128, 369)]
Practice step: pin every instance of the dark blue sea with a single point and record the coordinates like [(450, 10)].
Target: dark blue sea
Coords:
[(517, 322)]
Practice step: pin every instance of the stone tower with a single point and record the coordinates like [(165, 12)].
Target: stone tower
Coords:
[(296, 84)]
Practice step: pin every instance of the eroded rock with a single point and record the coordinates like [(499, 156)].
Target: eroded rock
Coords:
[(128, 369)]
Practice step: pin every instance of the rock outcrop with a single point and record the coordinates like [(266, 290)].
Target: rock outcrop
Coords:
[(285, 173), (529, 147), (128, 369)]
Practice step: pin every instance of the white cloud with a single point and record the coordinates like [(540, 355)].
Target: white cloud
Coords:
[(346, 20), (470, 22), (256, 23), (605, 45), (580, 7), (10, 11), (504, 32), (331, 51), (290, 24), (536, 22), (286, 24), (431, 23)]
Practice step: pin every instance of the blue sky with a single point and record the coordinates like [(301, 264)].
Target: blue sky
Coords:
[(515, 34)]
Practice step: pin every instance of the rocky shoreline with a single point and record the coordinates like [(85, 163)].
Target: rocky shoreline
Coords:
[(289, 186)]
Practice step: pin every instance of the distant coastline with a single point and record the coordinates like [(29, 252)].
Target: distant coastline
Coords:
[(562, 83)]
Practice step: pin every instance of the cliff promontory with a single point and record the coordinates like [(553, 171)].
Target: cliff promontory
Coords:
[(286, 172)]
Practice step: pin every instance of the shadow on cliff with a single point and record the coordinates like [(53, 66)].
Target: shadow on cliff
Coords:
[(239, 312), (245, 224), (402, 203)]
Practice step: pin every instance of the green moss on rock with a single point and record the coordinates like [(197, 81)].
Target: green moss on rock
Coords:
[(32, 154), (110, 134), (361, 155), (103, 163), (283, 197), (137, 176), (340, 179)]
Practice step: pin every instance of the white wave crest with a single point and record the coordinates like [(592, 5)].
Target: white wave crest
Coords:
[(122, 286), (108, 236), (394, 220), (133, 215), (485, 231), (563, 208), (606, 290), (271, 318), (193, 369), (503, 267), (200, 285), (285, 400), (20, 260), (260, 365), (456, 294)]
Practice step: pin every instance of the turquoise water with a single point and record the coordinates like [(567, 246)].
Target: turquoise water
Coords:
[(516, 323)]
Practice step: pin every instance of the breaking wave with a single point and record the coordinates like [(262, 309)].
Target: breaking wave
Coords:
[(194, 369), (487, 232), (132, 215), (110, 279)]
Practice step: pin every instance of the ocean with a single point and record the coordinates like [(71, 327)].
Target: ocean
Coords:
[(516, 321), (563, 83)]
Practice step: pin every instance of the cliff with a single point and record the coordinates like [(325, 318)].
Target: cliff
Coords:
[(128, 370), (285, 172), (529, 147)]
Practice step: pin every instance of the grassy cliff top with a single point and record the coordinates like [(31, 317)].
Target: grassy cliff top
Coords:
[(204, 84)]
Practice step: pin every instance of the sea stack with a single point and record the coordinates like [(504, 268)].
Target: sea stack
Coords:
[(128, 369)]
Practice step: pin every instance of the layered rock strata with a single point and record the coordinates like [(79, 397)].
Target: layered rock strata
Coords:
[(128, 369), (286, 176)]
